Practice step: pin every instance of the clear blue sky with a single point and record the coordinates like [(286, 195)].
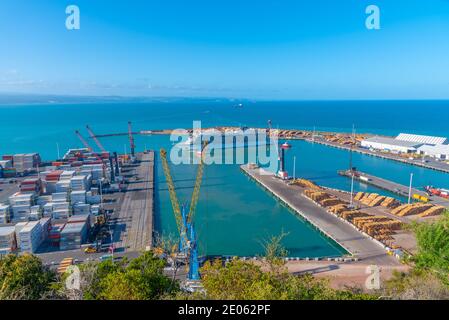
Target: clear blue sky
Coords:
[(270, 49)]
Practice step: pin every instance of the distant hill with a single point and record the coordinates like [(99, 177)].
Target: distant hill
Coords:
[(8, 99)]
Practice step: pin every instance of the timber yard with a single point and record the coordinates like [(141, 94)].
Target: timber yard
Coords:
[(96, 205)]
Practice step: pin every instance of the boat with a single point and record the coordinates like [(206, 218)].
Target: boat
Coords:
[(443, 193), (230, 139)]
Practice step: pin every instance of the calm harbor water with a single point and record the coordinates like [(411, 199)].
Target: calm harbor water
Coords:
[(234, 215)]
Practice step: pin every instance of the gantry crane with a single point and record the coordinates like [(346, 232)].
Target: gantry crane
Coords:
[(184, 220)]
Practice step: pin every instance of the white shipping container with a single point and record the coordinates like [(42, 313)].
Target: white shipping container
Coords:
[(62, 186), (8, 239), (59, 197), (60, 214), (30, 237)]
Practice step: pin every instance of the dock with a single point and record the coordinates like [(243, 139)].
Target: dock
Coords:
[(133, 230), (391, 186), (437, 166), (356, 243)]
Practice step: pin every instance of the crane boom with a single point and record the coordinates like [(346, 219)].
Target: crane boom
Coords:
[(83, 141), (172, 192), (131, 139), (94, 137), (196, 189), (188, 241), (86, 145)]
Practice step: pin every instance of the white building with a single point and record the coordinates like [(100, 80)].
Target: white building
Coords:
[(419, 139), (438, 151), (390, 144)]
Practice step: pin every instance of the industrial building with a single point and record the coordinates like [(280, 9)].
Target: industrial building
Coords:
[(429, 140), (390, 144), (438, 151), (410, 143)]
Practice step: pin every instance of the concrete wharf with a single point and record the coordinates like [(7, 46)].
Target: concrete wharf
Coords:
[(356, 243)]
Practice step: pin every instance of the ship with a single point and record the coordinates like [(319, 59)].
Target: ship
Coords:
[(229, 139)]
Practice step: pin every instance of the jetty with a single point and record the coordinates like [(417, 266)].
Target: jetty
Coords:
[(358, 245)]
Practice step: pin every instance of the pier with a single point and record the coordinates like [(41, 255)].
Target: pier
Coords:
[(437, 166), (133, 228), (357, 244), (391, 186)]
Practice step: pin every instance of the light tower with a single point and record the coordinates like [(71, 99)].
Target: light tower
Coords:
[(282, 173)]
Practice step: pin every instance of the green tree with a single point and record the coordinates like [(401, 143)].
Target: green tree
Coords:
[(142, 278), (245, 280), (24, 277), (429, 275), (416, 285), (433, 246), (267, 280)]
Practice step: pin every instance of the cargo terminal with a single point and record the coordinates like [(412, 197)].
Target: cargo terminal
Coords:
[(71, 203), (103, 203)]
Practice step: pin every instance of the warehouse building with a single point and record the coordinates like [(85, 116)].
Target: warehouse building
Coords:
[(429, 140), (410, 143), (390, 144), (439, 151)]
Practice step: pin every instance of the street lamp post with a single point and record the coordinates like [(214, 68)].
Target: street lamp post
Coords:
[(352, 189), (294, 167), (410, 189)]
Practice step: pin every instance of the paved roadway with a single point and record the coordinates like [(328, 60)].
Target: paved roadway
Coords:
[(346, 235), (7, 189), (133, 223)]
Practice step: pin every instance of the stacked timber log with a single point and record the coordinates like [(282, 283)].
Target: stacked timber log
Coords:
[(381, 228), (434, 211), (411, 209), (323, 198), (337, 209), (306, 184), (420, 209), (374, 200)]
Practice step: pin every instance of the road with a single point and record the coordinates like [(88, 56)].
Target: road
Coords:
[(133, 223)]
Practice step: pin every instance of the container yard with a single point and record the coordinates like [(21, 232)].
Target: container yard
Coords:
[(59, 207)]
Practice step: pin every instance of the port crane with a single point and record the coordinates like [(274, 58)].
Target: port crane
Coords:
[(96, 155), (83, 141), (188, 246), (94, 137)]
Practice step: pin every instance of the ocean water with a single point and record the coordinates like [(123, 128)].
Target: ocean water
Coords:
[(234, 215)]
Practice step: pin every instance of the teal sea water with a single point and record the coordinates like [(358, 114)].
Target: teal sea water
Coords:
[(234, 215)]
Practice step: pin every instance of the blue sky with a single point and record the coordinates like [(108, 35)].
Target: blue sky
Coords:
[(266, 49)]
